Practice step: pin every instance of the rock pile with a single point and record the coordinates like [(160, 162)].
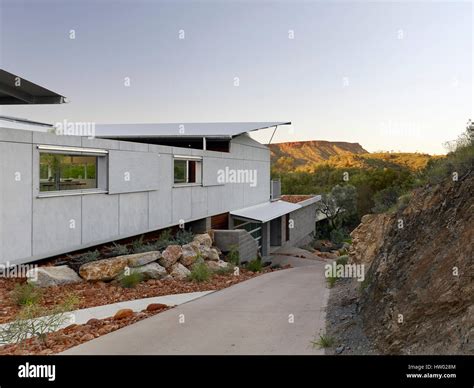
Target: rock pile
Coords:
[(175, 261)]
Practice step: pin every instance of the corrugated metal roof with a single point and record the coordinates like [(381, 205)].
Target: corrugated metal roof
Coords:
[(217, 130), (15, 90), (266, 211)]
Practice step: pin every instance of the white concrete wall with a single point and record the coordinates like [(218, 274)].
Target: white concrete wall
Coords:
[(32, 227)]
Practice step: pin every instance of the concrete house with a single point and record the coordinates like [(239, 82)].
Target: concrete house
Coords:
[(61, 192)]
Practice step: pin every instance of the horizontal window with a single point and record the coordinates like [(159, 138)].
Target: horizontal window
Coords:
[(61, 172), (187, 171)]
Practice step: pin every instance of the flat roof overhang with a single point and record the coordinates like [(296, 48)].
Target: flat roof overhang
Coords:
[(15, 90), (222, 130), (267, 211)]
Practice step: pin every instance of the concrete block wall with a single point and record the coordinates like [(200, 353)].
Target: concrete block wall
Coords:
[(34, 227), (246, 245), (304, 224)]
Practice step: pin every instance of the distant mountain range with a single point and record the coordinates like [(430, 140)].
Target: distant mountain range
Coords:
[(306, 155)]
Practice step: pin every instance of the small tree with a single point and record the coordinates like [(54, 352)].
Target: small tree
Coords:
[(338, 205)]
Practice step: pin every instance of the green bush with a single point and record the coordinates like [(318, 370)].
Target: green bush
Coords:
[(139, 246), (165, 239), (331, 280), (183, 237), (233, 256), (254, 265), (130, 280), (459, 160), (119, 250), (76, 262), (26, 294), (337, 236), (342, 260), (385, 199), (403, 201), (200, 272), (225, 270)]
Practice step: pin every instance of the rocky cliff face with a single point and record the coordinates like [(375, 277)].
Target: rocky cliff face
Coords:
[(419, 297), (368, 237)]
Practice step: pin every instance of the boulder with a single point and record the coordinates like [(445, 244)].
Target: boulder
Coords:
[(139, 259), (156, 307), (123, 313), (52, 276), (203, 239), (170, 255), (209, 253), (217, 265), (179, 271), (106, 269), (151, 271), (189, 255)]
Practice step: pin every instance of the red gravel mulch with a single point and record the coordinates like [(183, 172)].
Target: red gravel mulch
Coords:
[(93, 294), (74, 335)]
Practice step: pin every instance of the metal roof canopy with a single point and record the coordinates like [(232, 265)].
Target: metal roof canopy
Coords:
[(15, 90), (181, 130), (267, 211)]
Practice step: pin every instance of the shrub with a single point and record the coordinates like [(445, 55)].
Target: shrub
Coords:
[(403, 201), (183, 237), (130, 280), (324, 341), (164, 240), (342, 260), (385, 199), (331, 281), (138, 246), (119, 250), (200, 272), (26, 294), (254, 265), (337, 236), (225, 270), (77, 261), (34, 320), (460, 159), (233, 256)]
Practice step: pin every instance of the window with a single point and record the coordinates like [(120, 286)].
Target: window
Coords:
[(61, 172), (187, 170)]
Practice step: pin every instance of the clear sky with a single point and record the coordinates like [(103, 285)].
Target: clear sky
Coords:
[(391, 76)]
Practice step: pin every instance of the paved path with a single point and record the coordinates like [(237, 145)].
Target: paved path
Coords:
[(252, 317)]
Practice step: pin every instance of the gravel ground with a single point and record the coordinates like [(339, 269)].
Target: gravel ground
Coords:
[(343, 323)]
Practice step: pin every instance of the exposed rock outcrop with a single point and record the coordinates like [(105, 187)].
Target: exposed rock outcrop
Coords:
[(368, 237), (420, 289)]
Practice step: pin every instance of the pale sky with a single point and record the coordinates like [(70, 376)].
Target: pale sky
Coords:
[(390, 76)]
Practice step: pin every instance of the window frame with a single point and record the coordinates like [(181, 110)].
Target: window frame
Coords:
[(198, 171), (101, 168)]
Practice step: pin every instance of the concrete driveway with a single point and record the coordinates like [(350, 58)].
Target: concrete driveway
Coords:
[(276, 313)]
